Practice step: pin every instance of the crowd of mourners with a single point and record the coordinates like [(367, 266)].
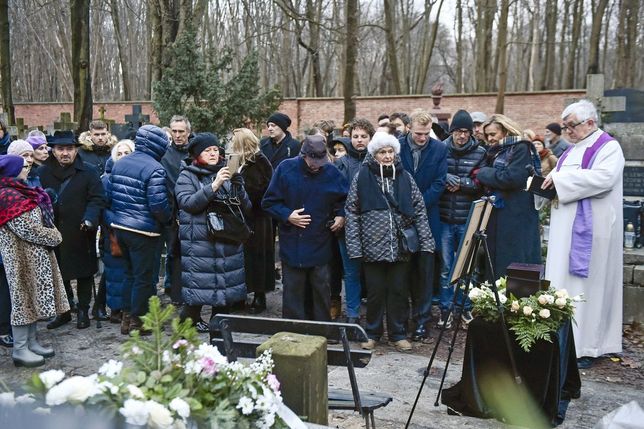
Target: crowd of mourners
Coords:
[(367, 214)]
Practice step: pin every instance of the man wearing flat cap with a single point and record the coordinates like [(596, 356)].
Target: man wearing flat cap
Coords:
[(554, 141), (279, 145), (77, 213), (306, 196)]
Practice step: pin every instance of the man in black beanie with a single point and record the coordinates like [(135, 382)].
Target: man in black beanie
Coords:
[(554, 141), (463, 154), (279, 145)]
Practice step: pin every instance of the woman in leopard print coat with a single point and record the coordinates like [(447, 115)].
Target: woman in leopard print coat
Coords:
[(27, 239)]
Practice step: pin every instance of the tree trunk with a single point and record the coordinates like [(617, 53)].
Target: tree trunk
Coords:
[(569, 79), (459, 47), (80, 63), (314, 45), (156, 43), (563, 48), (595, 34), (534, 48), (125, 74), (351, 54), (5, 62), (485, 19), (428, 48), (548, 74), (626, 43), (502, 48), (390, 34)]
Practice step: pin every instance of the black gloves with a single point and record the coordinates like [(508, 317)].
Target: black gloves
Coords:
[(237, 179)]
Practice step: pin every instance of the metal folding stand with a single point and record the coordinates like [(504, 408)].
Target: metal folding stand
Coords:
[(464, 282)]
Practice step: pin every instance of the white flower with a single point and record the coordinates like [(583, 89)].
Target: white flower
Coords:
[(51, 377), (135, 392), (111, 368), (502, 298), (543, 300), (159, 417), (181, 407), (562, 293), (527, 310), (136, 350), (74, 389), (135, 412), (7, 399), (560, 302), (179, 424), (42, 411), (246, 405), (166, 358), (106, 386), (515, 306), (25, 399), (475, 293), (545, 313)]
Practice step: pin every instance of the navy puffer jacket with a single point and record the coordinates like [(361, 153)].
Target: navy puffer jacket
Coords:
[(136, 190), (212, 272)]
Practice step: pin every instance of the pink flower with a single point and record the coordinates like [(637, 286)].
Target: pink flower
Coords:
[(273, 383), (208, 365), (179, 343)]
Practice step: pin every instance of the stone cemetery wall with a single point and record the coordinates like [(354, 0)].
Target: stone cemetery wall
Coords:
[(531, 110)]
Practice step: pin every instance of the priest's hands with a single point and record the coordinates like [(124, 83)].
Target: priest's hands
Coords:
[(548, 183)]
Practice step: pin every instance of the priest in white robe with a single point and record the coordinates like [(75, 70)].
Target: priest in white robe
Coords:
[(586, 231)]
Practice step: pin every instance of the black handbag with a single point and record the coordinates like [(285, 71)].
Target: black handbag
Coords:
[(226, 221), (407, 237)]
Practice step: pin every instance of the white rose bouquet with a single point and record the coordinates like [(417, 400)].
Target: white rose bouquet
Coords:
[(531, 318), (168, 382)]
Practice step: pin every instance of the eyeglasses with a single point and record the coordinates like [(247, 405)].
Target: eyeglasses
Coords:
[(461, 132), (571, 127)]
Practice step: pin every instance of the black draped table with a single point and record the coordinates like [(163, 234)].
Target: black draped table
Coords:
[(548, 372)]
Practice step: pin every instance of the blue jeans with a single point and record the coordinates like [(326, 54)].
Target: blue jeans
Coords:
[(139, 255), (352, 286), (450, 238)]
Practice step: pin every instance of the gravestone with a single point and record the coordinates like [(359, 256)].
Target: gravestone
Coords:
[(65, 123), (101, 113), (595, 93), (132, 123)]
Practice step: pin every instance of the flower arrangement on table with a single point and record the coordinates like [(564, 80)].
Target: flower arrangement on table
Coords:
[(169, 382), (531, 318)]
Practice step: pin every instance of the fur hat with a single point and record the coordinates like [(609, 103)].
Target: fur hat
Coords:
[(381, 140), (200, 142), (19, 147), (462, 121), (280, 119), (554, 127), (11, 165)]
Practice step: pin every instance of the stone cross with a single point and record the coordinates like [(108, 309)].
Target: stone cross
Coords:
[(595, 93), (101, 110), (137, 118), (65, 123)]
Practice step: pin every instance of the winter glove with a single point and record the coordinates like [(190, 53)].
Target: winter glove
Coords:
[(453, 180), (237, 179)]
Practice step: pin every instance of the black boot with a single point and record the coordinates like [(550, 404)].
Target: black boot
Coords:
[(100, 313), (259, 303), (60, 320), (82, 319)]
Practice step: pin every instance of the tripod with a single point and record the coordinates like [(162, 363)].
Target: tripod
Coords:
[(464, 281)]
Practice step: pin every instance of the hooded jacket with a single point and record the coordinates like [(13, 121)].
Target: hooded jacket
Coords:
[(350, 163), (94, 155), (212, 272), (136, 190)]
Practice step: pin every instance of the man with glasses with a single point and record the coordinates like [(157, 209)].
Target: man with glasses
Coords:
[(426, 159), (586, 231), (463, 154)]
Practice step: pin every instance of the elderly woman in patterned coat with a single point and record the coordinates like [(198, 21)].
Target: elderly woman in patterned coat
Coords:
[(27, 239)]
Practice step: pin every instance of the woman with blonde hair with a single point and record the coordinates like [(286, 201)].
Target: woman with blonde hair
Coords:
[(513, 228), (259, 252)]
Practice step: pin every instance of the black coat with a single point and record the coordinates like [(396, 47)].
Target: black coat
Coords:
[(259, 250), (455, 206), (212, 272), (513, 228), (82, 199), (276, 153)]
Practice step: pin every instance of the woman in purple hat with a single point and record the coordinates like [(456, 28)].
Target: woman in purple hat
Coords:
[(38, 142), (27, 236)]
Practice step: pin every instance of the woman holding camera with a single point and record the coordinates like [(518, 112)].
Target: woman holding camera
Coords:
[(212, 271), (383, 201)]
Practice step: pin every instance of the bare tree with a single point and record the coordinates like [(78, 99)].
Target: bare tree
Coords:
[(5, 62), (502, 48), (81, 75), (351, 53)]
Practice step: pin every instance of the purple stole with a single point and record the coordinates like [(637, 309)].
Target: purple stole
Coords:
[(582, 228)]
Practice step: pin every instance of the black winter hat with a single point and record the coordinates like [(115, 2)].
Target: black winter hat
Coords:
[(554, 127), (462, 121), (280, 119), (202, 141), (63, 138)]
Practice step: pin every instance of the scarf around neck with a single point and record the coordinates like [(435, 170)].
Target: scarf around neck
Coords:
[(416, 150), (581, 243), (375, 196), (17, 198)]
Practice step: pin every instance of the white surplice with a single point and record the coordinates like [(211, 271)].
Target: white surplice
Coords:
[(599, 318)]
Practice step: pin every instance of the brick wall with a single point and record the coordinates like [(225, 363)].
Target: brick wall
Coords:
[(531, 110)]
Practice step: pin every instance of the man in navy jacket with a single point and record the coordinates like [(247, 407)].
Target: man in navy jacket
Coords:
[(426, 160), (306, 196), (138, 195)]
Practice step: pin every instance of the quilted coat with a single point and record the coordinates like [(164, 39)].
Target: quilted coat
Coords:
[(137, 191), (212, 272)]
